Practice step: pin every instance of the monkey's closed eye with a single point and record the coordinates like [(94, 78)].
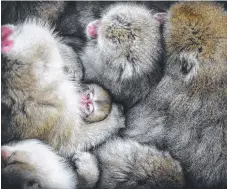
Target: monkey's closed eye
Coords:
[(90, 96), (90, 108)]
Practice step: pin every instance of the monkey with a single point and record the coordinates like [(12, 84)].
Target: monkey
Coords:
[(135, 76), (126, 164), (95, 103), (63, 14), (124, 48), (39, 98), (194, 87), (136, 166), (186, 112), (34, 165)]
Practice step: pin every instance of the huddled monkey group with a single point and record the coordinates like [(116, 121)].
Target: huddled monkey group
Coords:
[(126, 97)]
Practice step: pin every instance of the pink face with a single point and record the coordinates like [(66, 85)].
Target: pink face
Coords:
[(6, 43), (92, 28), (87, 104)]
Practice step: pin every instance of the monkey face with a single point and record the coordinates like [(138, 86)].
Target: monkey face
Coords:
[(31, 164), (95, 103)]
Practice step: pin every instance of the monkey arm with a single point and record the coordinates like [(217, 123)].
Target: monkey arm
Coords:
[(96, 133), (86, 166)]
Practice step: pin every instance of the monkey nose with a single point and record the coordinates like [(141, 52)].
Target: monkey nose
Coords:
[(6, 43), (85, 102)]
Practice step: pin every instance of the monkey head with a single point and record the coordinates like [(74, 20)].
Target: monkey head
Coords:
[(95, 103), (196, 44), (129, 32)]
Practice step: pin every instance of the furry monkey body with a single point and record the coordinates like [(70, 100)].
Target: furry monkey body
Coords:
[(186, 113), (38, 98), (136, 166), (196, 77), (33, 164), (124, 55), (126, 51)]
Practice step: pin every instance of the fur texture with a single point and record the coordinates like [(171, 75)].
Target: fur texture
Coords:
[(120, 164), (32, 164), (186, 114), (196, 73), (125, 56), (39, 100), (126, 164)]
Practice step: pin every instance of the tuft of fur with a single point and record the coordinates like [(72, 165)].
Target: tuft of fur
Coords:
[(196, 78), (125, 56), (126, 164), (39, 97), (87, 169)]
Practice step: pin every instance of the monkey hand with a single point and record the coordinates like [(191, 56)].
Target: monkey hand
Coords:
[(87, 169)]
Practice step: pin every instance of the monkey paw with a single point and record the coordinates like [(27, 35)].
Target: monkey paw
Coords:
[(87, 168)]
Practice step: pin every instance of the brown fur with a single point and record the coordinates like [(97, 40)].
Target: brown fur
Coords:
[(196, 69), (201, 27)]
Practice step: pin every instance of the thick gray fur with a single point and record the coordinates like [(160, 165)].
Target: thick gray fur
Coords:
[(125, 58), (126, 164), (118, 164), (187, 115)]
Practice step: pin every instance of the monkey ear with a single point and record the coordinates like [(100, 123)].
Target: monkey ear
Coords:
[(161, 17)]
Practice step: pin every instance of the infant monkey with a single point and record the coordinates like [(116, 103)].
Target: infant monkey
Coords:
[(40, 100), (95, 103)]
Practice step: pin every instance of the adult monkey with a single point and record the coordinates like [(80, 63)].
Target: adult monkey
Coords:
[(196, 78), (187, 112), (70, 18)]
